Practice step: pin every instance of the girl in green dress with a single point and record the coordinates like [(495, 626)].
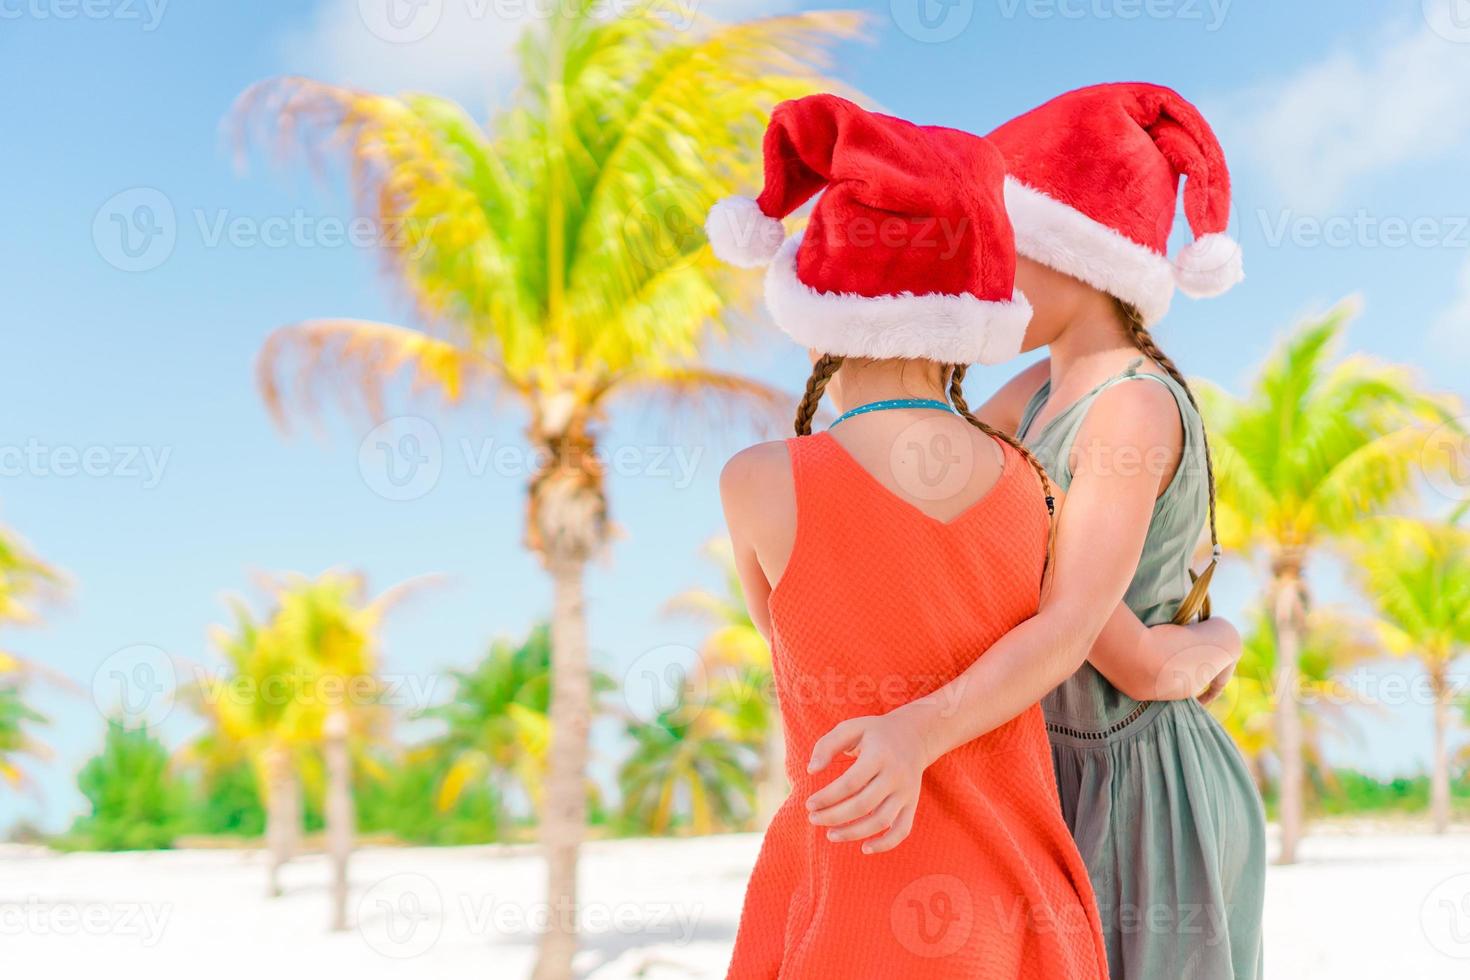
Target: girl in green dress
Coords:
[(1157, 797)]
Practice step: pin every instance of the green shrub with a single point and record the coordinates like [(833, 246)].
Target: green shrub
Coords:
[(226, 801), (399, 798), (137, 802)]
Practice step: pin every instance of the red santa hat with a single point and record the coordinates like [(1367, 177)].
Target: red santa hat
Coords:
[(1093, 176), (908, 252)]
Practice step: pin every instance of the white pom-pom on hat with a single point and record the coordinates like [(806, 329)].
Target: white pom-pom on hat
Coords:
[(743, 235), (1209, 266)]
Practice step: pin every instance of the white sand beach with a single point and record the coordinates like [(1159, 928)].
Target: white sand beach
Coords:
[(1364, 903)]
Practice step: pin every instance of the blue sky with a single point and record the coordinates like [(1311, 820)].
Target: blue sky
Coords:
[(135, 452)]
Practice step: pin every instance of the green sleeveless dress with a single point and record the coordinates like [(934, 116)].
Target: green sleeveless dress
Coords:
[(1156, 794)]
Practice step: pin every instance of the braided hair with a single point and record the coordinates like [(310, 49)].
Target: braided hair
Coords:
[(957, 399), (1138, 333), (822, 373)]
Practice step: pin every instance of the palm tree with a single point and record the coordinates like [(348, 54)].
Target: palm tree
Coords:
[(329, 624), (694, 760), (735, 667), (1311, 451), (679, 763), (555, 256), (497, 722), (244, 723), (1417, 573), (1333, 642), (300, 681)]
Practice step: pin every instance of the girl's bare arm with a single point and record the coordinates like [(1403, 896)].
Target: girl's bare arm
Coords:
[(1159, 663), (1164, 662), (759, 497), (1100, 536)]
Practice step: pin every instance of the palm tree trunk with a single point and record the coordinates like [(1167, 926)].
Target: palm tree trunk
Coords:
[(1290, 616), (282, 815), (566, 526), (340, 815), (564, 807), (1258, 773), (1439, 783)]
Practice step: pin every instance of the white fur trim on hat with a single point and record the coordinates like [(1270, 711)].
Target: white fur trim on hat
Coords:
[(951, 329), (1062, 238), (1208, 266), (741, 234)]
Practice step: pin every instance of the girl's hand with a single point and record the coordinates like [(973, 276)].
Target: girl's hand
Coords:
[(878, 794), (1220, 633), (1217, 686)]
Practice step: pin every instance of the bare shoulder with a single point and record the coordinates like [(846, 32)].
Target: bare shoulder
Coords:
[(1141, 414), (755, 473), (755, 464), (759, 495)]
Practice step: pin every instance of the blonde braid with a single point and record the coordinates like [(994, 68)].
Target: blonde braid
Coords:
[(1148, 347), (957, 399), (822, 372)]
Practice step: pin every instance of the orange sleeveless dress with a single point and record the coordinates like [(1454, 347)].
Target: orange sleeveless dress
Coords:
[(880, 604)]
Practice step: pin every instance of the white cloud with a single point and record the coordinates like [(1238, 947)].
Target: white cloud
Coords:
[(441, 46), (1318, 132), (460, 48)]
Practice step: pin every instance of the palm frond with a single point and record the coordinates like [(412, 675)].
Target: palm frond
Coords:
[(395, 595), (356, 360), (446, 205), (25, 581), (1417, 573), (693, 394), (1316, 447), (566, 238), (636, 232), (1360, 481)]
